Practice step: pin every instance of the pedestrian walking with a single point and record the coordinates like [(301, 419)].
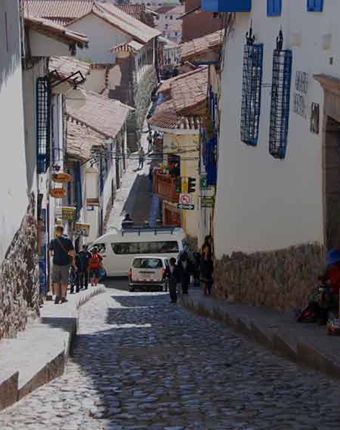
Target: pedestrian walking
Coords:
[(173, 279), (207, 248), (197, 267), (62, 251), (127, 221), (150, 143), (141, 154), (185, 272), (95, 265), (206, 274), (83, 263)]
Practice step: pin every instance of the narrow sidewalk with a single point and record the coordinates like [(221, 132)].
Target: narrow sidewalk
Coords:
[(306, 344), (39, 353)]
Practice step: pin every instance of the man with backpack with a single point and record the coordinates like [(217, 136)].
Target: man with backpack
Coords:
[(62, 251), (95, 267)]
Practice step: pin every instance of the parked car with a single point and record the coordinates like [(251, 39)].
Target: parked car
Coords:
[(148, 273)]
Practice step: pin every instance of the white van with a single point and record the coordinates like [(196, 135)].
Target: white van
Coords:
[(119, 247)]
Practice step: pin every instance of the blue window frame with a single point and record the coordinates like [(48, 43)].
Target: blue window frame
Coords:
[(43, 123), (280, 102), (251, 92), (274, 7), (315, 5)]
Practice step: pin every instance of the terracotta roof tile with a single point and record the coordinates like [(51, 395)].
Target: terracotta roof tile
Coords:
[(101, 114), (65, 66), (166, 85), (166, 117), (203, 44), (81, 140), (132, 46), (57, 9)]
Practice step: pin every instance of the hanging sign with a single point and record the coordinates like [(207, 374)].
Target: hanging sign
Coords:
[(203, 182), (185, 207), (61, 178), (68, 213), (92, 202), (81, 229), (58, 193), (207, 202)]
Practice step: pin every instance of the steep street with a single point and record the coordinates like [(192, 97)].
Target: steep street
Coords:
[(141, 364)]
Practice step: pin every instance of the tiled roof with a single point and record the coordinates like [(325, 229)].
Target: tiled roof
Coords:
[(190, 91), (202, 44), (101, 114), (68, 11), (188, 101), (132, 46), (166, 117), (49, 28), (65, 66), (178, 10), (81, 140), (166, 85), (164, 9), (138, 11)]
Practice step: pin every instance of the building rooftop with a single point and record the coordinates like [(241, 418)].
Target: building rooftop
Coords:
[(81, 139), (50, 28), (103, 115), (166, 85), (201, 45), (164, 9), (66, 66), (132, 46), (67, 12)]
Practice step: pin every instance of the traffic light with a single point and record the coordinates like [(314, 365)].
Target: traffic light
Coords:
[(191, 185), (178, 185)]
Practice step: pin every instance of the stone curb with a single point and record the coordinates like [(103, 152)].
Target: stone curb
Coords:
[(11, 392), (294, 349)]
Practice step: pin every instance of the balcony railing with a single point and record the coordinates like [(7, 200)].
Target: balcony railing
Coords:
[(164, 187)]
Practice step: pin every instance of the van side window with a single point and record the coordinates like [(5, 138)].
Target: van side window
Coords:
[(134, 248)]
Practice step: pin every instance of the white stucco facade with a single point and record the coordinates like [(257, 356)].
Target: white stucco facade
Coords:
[(102, 37), (13, 189), (263, 203)]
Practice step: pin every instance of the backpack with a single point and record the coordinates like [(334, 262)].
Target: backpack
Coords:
[(95, 261)]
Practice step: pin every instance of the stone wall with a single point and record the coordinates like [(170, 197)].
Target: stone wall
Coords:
[(281, 279), (19, 278)]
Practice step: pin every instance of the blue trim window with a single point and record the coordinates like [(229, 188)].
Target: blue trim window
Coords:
[(43, 123), (78, 195), (315, 5), (280, 100), (274, 7), (251, 91), (210, 160)]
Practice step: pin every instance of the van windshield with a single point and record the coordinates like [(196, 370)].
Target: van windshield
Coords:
[(164, 247), (147, 263)]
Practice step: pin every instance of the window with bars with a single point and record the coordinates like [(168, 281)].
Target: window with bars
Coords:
[(78, 195), (280, 103), (251, 93), (274, 7), (43, 123), (315, 5)]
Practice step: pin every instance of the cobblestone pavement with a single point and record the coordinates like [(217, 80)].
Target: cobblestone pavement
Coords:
[(141, 363)]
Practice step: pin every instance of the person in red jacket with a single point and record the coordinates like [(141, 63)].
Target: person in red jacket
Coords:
[(95, 266)]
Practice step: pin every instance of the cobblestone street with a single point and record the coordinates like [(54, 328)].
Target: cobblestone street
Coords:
[(141, 363)]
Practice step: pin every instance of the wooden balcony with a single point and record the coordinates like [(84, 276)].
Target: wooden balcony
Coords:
[(164, 187)]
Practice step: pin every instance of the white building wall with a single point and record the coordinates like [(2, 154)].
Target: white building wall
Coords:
[(102, 37), (263, 203), (13, 189)]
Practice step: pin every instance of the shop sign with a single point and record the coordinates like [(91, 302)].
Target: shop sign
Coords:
[(185, 199), (81, 229), (92, 202), (203, 182), (207, 202), (61, 178), (58, 193), (68, 213), (185, 207)]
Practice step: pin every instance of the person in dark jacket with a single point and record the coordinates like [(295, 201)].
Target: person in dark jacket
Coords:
[(173, 278), (185, 271), (82, 262), (206, 275), (127, 222)]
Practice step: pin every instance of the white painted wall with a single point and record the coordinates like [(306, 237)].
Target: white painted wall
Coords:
[(102, 37), (43, 46), (13, 189), (263, 203)]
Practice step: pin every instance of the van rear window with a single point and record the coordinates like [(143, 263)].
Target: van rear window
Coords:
[(166, 247), (147, 263)]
